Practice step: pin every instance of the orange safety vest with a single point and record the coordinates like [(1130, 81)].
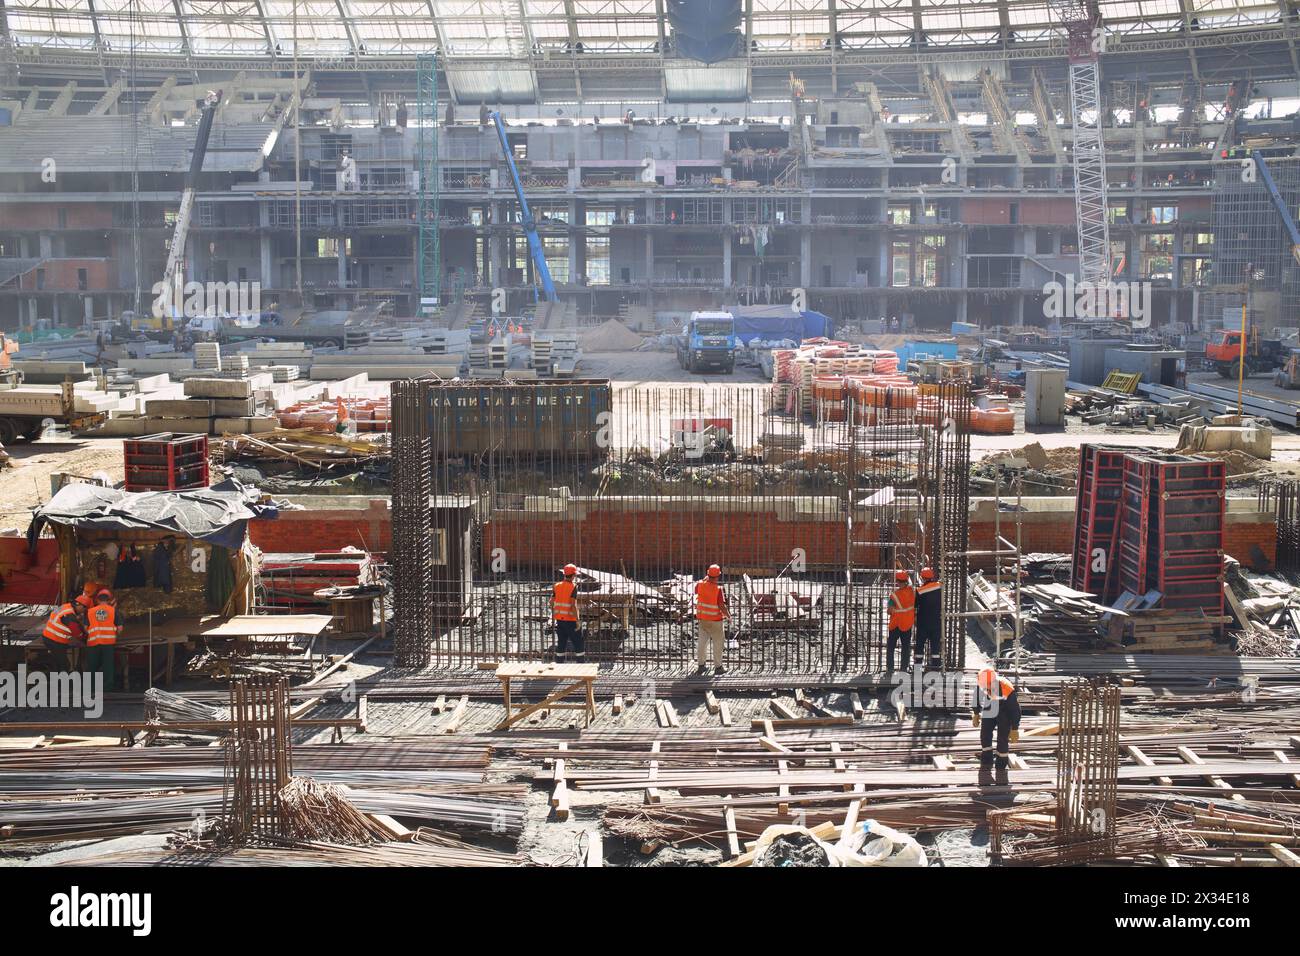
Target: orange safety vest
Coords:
[(902, 608), (710, 601), (55, 629), (103, 625), (1004, 687), (564, 603)]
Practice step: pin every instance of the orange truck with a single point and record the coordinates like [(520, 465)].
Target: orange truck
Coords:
[(1262, 355)]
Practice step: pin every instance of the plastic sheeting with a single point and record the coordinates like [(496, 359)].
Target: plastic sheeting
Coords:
[(778, 322), (218, 515)]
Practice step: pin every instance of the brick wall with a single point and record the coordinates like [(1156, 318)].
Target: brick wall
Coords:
[(660, 541), (325, 529), (61, 275), (44, 215)]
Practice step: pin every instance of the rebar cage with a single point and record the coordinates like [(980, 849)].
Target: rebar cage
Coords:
[(643, 488)]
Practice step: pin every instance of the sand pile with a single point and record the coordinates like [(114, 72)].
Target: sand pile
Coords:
[(612, 336)]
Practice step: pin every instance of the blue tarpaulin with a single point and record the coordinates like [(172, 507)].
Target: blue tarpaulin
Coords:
[(773, 323)]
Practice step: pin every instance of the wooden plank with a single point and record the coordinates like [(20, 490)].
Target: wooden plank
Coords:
[(1281, 756), (595, 849), (770, 743), (560, 795), (394, 829), (724, 713), (617, 707), (440, 704), (1283, 855), (783, 711), (458, 715), (733, 836), (850, 822), (856, 702), (1190, 757), (671, 712), (1146, 761), (652, 794), (711, 702), (943, 762)]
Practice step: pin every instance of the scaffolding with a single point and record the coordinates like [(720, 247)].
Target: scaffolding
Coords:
[(429, 275), (1250, 242)]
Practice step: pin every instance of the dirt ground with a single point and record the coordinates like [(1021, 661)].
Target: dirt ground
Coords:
[(25, 482)]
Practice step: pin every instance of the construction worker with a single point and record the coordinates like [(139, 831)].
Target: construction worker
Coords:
[(65, 628), (929, 616), (564, 608), (87, 596), (1002, 707), (710, 614), (101, 637), (902, 618)]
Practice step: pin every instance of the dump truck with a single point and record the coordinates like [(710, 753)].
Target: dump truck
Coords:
[(1262, 355), (708, 341)]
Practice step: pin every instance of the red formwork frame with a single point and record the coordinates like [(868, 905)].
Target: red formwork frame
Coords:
[(166, 462), (1097, 512), (1134, 526), (1189, 505)]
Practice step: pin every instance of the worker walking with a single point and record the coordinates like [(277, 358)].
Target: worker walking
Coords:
[(929, 617), (564, 609), (1001, 710), (710, 614), (902, 619), (65, 628), (101, 637)]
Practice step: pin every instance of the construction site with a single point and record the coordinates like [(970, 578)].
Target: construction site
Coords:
[(684, 434)]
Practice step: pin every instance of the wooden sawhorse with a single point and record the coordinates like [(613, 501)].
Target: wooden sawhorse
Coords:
[(576, 677)]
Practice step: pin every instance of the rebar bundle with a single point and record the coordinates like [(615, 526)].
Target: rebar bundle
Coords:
[(259, 760), (1087, 773), (412, 545), (1282, 497), (642, 488)]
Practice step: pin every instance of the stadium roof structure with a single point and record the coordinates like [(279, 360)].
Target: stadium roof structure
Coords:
[(547, 49)]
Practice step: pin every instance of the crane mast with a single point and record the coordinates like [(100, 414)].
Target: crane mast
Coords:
[(176, 250), (1082, 22)]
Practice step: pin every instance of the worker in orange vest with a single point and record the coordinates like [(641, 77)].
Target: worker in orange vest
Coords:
[(929, 621), (564, 609), (65, 628), (87, 596), (710, 614), (101, 637), (997, 706), (902, 618)]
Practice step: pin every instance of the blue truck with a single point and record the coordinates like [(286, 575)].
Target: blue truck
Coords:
[(708, 341)]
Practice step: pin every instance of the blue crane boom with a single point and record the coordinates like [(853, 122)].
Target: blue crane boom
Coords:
[(530, 225), (1278, 203)]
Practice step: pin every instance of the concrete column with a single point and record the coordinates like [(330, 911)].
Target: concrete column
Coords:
[(649, 255), (576, 241), (805, 259), (268, 277), (885, 264), (46, 246), (343, 264), (726, 261)]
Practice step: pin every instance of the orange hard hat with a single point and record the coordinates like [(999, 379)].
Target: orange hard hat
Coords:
[(987, 678), (715, 571), (570, 570), (927, 574), (901, 576)]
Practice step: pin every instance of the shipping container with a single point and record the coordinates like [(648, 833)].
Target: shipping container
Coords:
[(519, 419)]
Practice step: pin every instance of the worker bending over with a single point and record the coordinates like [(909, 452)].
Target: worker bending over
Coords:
[(564, 608), (65, 628), (710, 613), (1002, 707), (929, 621), (101, 637), (902, 618)]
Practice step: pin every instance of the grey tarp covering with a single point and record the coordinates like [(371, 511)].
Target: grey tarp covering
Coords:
[(217, 514)]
